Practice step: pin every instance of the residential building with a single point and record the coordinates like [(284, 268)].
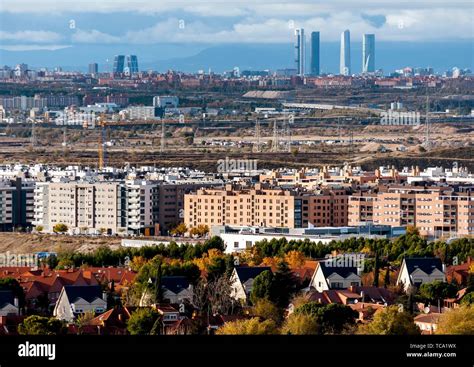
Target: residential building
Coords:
[(428, 323), (417, 271), (177, 289), (242, 281), (329, 275), (77, 300), (16, 204), (166, 101), (8, 303)]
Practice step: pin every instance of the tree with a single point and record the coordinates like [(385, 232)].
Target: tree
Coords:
[(60, 228), (391, 321), (252, 326), (459, 321), (179, 230), (283, 286), (39, 325), (141, 321), (432, 292), (64, 264), (332, 318), (84, 319), (201, 230), (468, 299), (301, 324), (267, 310), (262, 287), (39, 229), (295, 259)]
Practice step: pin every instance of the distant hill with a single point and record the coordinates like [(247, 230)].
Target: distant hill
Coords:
[(190, 58)]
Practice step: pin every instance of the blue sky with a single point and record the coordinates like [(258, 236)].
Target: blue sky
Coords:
[(185, 27), (52, 24)]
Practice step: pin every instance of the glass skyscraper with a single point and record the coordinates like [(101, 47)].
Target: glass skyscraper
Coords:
[(300, 51), (132, 63), (315, 56), (368, 53), (345, 61), (119, 64)]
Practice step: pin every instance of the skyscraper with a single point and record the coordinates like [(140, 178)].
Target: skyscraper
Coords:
[(93, 68), (315, 57), (345, 62), (132, 64), (300, 51), (119, 64), (368, 53)]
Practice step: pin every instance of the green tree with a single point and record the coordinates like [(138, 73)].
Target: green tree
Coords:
[(60, 228), (468, 299), (252, 326), (459, 321), (284, 285), (432, 292), (39, 325), (390, 321), (262, 287), (332, 318), (141, 321)]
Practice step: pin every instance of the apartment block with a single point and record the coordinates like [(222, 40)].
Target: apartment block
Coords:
[(16, 204), (84, 207), (435, 211), (265, 206)]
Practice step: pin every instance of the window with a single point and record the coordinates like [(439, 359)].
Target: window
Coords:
[(236, 245)]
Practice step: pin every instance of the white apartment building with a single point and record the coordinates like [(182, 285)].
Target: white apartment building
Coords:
[(84, 207)]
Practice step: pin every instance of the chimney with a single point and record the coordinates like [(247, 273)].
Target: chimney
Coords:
[(104, 296), (16, 302), (362, 295)]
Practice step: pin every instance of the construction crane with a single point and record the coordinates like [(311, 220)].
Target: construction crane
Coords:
[(101, 147)]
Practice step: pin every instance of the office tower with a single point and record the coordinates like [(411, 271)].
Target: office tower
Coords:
[(93, 68), (119, 64), (315, 57), (132, 64), (368, 53), (300, 51), (345, 62)]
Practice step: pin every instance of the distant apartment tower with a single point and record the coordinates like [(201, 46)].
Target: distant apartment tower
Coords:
[(345, 56), (93, 68), (368, 53), (165, 101), (132, 64), (315, 53), (119, 64), (300, 51)]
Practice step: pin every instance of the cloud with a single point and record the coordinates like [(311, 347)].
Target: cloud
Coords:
[(31, 36), (33, 47), (93, 36)]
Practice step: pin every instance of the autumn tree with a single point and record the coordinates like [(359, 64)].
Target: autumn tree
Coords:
[(60, 228), (301, 324), (179, 230), (253, 326), (459, 321), (267, 310), (390, 321), (295, 259)]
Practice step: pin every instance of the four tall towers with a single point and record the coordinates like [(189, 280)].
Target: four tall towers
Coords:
[(368, 53)]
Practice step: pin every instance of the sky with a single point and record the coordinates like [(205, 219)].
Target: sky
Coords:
[(186, 27)]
